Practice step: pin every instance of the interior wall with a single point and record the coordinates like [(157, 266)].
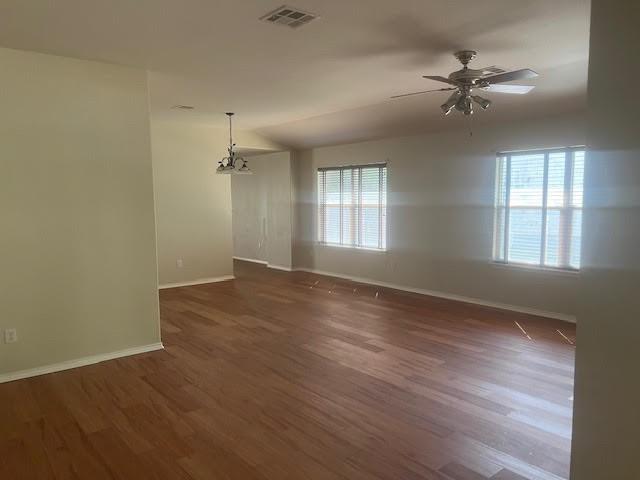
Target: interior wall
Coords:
[(249, 198), (193, 203), (607, 391), (79, 274), (262, 210), (279, 223), (440, 215)]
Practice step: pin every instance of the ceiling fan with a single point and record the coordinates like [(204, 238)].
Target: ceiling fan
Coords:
[(463, 82)]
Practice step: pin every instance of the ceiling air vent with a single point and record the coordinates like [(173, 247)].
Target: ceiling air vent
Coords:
[(289, 16), (183, 107)]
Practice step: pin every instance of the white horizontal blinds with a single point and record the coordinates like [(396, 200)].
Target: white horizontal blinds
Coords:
[(322, 201), (352, 206), (575, 203), (383, 208), (555, 221), (538, 219), (332, 202), (350, 212), (371, 205), (501, 202), (525, 208)]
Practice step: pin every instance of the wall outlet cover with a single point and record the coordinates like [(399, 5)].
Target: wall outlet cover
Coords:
[(10, 335)]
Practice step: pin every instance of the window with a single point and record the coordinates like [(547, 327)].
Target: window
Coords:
[(538, 216), (352, 206)]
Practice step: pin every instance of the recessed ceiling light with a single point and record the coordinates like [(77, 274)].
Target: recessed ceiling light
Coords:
[(289, 17)]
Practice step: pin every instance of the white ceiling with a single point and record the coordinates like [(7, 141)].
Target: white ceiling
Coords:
[(329, 81)]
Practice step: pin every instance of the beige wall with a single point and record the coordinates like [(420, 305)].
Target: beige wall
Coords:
[(280, 201), (440, 215), (249, 198), (193, 203), (76, 207), (607, 393), (262, 210)]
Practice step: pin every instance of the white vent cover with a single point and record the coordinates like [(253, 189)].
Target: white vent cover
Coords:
[(289, 16)]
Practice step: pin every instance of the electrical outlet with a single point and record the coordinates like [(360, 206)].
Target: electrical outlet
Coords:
[(179, 263), (10, 335)]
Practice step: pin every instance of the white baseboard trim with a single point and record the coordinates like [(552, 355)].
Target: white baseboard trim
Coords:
[(280, 267), (78, 362), (199, 281), (252, 260), (449, 296), (263, 262)]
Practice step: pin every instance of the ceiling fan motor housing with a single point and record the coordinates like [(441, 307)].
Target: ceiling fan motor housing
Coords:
[(465, 56), (467, 76)]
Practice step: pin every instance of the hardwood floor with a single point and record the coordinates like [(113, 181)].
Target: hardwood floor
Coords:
[(296, 376)]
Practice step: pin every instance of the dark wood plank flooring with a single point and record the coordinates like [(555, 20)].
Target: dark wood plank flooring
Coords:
[(296, 376)]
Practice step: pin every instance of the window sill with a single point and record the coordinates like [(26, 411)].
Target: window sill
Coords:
[(350, 247), (536, 268)]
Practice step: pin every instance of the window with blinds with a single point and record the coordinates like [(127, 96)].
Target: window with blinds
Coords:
[(352, 206), (538, 216)]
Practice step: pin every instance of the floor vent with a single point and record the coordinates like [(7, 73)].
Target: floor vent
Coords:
[(289, 17)]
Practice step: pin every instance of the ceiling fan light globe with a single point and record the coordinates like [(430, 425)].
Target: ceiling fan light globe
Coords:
[(446, 109), (450, 103), (483, 102)]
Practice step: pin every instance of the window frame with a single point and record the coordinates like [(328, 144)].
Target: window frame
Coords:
[(383, 225), (567, 206)]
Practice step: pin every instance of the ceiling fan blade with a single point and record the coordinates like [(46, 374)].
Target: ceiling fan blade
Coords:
[(439, 78), (517, 89), (509, 76), (492, 70), (425, 91)]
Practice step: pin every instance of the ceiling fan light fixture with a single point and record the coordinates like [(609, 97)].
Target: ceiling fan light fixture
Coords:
[(463, 104), (446, 109), (483, 102), (447, 106)]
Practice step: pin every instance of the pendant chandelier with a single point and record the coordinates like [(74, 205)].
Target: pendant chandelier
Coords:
[(230, 163)]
